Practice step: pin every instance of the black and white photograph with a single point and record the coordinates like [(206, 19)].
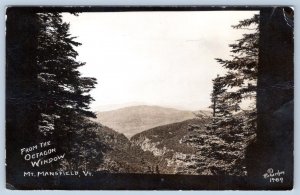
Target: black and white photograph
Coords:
[(149, 98)]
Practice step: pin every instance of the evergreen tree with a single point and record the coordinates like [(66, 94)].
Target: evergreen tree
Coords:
[(64, 94), (47, 98), (222, 107), (61, 88), (238, 84), (221, 149), (241, 78), (242, 68)]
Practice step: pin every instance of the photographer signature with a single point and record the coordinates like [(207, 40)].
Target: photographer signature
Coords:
[(274, 177)]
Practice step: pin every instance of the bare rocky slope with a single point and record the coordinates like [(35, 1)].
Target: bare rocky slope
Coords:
[(167, 143), (121, 156)]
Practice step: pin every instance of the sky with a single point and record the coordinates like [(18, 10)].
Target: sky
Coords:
[(154, 58)]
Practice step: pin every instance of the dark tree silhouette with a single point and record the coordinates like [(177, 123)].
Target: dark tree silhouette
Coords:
[(64, 93), (275, 98), (47, 98), (21, 88)]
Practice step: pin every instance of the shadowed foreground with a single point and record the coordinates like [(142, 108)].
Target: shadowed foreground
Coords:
[(102, 181)]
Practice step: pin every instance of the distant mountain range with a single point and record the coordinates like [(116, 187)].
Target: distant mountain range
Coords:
[(135, 119)]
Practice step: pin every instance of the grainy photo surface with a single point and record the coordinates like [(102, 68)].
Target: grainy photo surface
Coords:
[(149, 98)]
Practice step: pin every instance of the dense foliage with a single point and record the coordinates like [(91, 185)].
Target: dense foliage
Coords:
[(56, 105), (221, 148), (64, 95)]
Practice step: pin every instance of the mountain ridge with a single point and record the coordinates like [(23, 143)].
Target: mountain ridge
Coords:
[(135, 119)]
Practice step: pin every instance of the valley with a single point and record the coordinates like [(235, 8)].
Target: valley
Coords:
[(182, 147)]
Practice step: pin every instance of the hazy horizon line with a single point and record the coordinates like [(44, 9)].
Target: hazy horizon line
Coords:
[(110, 107)]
